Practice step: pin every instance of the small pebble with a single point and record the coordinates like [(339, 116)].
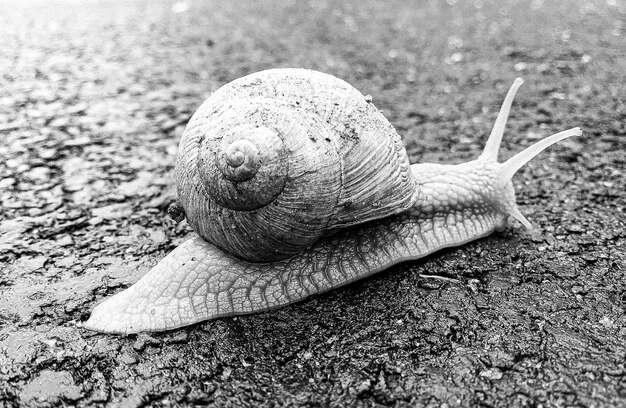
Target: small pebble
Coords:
[(128, 359), (492, 374)]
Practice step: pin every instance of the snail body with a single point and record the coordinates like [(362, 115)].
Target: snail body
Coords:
[(296, 184)]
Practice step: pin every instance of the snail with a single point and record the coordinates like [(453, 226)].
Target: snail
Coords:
[(295, 185)]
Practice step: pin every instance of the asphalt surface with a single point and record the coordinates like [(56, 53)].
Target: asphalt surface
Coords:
[(94, 98)]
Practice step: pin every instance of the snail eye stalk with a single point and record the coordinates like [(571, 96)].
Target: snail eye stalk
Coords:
[(512, 165), (507, 170), (492, 147)]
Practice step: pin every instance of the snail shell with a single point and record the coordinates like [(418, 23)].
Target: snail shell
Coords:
[(275, 160)]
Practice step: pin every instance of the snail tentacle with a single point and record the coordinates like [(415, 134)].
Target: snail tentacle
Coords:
[(492, 147)]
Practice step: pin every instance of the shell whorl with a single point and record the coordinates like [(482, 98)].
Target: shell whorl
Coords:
[(240, 160), (245, 169), (274, 160)]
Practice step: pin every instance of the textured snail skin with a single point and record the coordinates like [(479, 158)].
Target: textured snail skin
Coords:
[(454, 204)]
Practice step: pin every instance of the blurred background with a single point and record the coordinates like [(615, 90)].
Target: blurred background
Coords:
[(94, 96)]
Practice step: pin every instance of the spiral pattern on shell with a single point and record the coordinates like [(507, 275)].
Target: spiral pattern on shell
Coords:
[(274, 160), (235, 167)]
